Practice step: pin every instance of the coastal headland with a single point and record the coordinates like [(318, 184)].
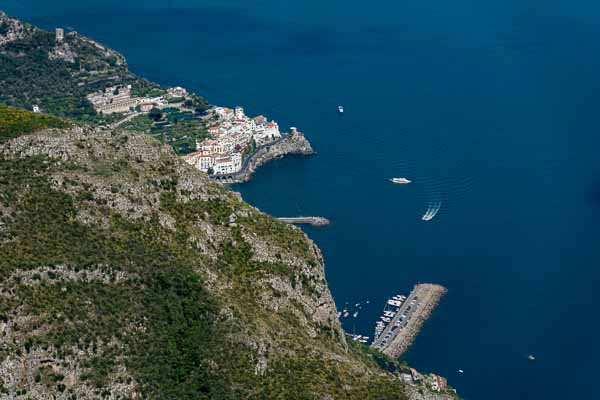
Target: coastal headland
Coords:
[(238, 144), (289, 144)]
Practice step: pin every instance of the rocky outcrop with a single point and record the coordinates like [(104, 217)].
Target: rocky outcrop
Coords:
[(292, 144), (63, 51), (11, 29), (420, 393)]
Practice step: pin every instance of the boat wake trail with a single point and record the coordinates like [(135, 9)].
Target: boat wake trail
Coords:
[(432, 210)]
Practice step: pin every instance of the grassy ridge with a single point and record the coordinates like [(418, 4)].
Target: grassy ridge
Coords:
[(14, 123)]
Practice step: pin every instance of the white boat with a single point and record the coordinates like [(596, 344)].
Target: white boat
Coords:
[(355, 314), (531, 357), (341, 109), (346, 314), (461, 371), (400, 181)]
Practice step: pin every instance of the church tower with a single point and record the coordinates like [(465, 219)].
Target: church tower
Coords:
[(60, 35)]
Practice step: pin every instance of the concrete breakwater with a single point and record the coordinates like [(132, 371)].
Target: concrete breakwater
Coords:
[(314, 221), (408, 320), (294, 143)]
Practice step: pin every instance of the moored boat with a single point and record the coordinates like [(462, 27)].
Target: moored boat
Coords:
[(400, 181)]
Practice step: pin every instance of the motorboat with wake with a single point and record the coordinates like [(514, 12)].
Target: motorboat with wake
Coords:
[(432, 211)]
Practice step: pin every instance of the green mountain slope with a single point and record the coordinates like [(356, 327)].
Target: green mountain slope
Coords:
[(57, 75), (125, 273)]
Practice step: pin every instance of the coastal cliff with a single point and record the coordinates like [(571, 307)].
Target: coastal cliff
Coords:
[(125, 273)]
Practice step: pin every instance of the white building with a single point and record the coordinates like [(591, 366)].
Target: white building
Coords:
[(210, 147), (177, 91), (224, 113), (146, 106), (200, 161), (218, 163), (115, 99), (36, 109), (266, 133), (239, 114), (228, 164)]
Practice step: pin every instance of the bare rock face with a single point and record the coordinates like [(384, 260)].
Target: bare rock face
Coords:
[(419, 393)]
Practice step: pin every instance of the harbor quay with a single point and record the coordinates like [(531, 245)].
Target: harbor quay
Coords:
[(404, 324)]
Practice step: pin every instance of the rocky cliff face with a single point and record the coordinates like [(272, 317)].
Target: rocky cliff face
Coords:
[(125, 273)]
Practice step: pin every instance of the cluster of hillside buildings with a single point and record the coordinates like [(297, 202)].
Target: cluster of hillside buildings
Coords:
[(434, 382), (118, 99), (231, 134)]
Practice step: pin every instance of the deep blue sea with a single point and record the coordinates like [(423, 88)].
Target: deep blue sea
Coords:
[(491, 107)]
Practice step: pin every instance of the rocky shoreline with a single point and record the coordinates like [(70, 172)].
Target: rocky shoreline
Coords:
[(290, 144)]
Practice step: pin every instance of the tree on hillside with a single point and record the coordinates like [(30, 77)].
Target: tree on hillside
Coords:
[(155, 114)]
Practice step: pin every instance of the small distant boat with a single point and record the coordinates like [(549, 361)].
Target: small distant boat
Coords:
[(531, 357), (461, 371), (341, 109), (400, 181), (355, 314), (359, 338), (346, 314)]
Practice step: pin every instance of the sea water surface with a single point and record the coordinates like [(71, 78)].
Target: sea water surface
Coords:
[(490, 107)]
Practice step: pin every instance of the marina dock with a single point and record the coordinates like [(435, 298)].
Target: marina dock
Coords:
[(314, 221), (406, 322)]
